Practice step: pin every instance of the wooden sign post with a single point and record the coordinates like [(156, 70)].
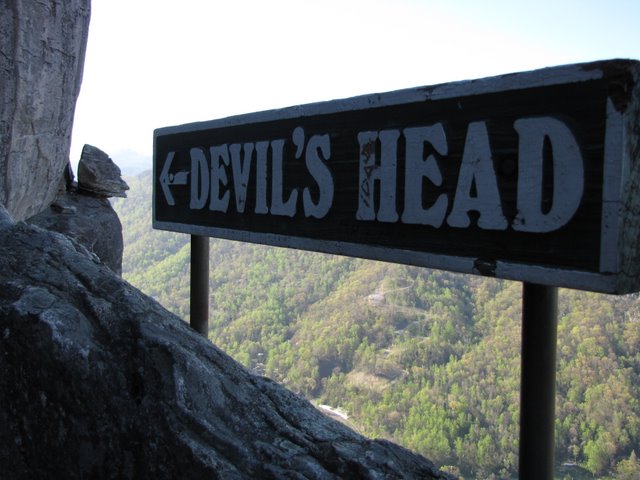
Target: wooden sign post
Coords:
[(531, 176), (538, 381)]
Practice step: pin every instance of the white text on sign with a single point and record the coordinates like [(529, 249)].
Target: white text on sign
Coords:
[(222, 171)]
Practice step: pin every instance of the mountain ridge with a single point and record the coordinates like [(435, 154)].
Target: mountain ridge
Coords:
[(426, 358)]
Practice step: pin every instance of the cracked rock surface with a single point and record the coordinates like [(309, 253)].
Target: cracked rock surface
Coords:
[(99, 381), (42, 46), (91, 221)]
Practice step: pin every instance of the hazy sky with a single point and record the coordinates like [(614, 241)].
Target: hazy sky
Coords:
[(155, 63)]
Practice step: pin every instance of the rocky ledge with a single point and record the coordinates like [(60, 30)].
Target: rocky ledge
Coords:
[(100, 381)]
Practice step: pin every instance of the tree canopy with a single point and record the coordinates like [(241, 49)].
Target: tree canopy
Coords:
[(425, 358)]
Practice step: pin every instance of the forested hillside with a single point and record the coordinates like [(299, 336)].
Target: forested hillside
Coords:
[(428, 359)]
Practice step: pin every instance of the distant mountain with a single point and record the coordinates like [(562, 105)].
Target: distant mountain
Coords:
[(429, 359), (131, 163)]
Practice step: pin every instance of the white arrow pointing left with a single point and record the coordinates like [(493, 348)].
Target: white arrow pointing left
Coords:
[(167, 179)]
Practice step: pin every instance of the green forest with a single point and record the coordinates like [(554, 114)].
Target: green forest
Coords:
[(425, 358)]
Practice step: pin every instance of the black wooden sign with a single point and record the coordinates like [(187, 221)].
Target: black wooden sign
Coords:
[(531, 176)]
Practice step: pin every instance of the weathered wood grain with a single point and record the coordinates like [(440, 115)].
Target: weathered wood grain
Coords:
[(529, 176)]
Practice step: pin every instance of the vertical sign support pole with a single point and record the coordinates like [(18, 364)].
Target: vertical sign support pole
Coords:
[(200, 284), (538, 381)]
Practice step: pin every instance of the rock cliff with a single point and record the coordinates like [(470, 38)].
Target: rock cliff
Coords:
[(91, 221), (42, 47), (100, 381), (82, 211)]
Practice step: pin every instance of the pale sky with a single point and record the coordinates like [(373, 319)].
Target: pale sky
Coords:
[(157, 63)]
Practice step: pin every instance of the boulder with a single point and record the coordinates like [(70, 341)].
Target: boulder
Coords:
[(6, 220), (42, 47), (100, 381), (99, 175), (91, 221)]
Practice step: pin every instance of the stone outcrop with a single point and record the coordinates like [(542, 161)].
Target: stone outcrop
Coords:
[(91, 221), (82, 210), (42, 47), (99, 175), (99, 381)]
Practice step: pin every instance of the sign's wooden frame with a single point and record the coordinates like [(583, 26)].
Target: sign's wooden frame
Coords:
[(595, 105)]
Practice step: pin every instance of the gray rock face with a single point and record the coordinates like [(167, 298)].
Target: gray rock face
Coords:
[(42, 47), (6, 220), (91, 221), (99, 381), (99, 175)]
